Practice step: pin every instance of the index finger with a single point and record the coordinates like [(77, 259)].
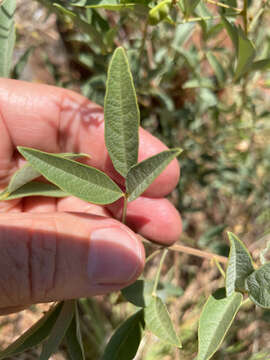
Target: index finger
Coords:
[(59, 120)]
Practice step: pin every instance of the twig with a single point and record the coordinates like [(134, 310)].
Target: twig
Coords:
[(190, 251)]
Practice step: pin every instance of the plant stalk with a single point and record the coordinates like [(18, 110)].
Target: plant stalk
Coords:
[(124, 211), (165, 252)]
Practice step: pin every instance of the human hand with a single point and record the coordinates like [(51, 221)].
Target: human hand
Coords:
[(54, 249)]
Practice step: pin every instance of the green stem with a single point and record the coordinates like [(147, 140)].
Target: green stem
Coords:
[(124, 211), (165, 251), (219, 267), (150, 257)]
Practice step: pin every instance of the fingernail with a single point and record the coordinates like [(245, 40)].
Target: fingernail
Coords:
[(115, 256)]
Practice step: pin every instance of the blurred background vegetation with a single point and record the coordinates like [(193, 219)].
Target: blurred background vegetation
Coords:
[(188, 97)]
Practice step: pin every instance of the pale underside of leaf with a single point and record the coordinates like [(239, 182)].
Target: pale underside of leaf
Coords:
[(258, 286), (216, 318), (7, 36), (239, 265), (141, 175), (34, 188), (158, 321), (82, 181), (121, 114)]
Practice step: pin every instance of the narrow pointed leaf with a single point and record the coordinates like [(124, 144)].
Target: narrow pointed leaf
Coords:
[(189, 6), (245, 57), (258, 286), (263, 64), (217, 67), (232, 31), (80, 180), (121, 114), (59, 330), (158, 321), (34, 188), (106, 4), (74, 338), (144, 173), (125, 341), (35, 335), (216, 318), (27, 173), (239, 265), (7, 36)]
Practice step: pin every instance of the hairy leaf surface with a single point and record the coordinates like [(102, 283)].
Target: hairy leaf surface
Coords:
[(239, 265), (216, 318), (121, 114), (158, 321), (258, 286), (141, 175), (80, 180)]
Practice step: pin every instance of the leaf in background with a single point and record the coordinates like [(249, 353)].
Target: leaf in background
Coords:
[(35, 335), (189, 6), (141, 175), (125, 341), (216, 318), (258, 286), (245, 55), (34, 188), (159, 12), (74, 338), (7, 36), (139, 293), (27, 173), (158, 321), (21, 63), (80, 180), (217, 67), (83, 25), (232, 31), (261, 65), (121, 114), (107, 4), (59, 330), (239, 265)]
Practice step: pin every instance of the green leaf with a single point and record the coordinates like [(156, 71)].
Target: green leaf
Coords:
[(107, 4), (125, 341), (141, 175), (232, 31), (74, 338), (27, 173), (189, 6), (34, 188), (59, 330), (21, 63), (258, 286), (246, 54), (217, 67), (159, 12), (239, 265), (7, 36), (80, 180), (140, 292), (35, 335), (158, 321), (261, 65), (216, 318), (121, 114)]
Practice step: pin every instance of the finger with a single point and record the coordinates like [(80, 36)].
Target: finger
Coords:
[(58, 120), (50, 257), (155, 219)]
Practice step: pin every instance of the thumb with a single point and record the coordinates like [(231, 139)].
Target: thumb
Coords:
[(55, 256)]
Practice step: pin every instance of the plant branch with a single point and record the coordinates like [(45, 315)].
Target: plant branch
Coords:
[(220, 4), (190, 251), (124, 211)]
